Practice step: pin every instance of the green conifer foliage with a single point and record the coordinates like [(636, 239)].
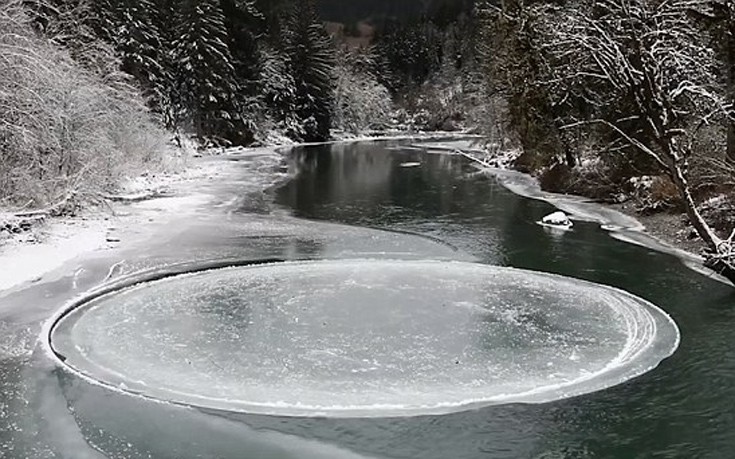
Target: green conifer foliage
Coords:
[(311, 60), (206, 76), (245, 26)]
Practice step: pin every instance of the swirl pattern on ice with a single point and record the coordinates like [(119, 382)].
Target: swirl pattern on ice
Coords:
[(363, 338)]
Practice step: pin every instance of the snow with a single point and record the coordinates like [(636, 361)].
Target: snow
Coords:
[(557, 219), (28, 257), (642, 183), (65, 240)]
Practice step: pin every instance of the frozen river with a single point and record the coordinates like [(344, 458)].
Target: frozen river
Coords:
[(364, 308)]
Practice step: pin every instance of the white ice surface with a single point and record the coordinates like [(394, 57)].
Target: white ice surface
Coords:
[(25, 262), (364, 338)]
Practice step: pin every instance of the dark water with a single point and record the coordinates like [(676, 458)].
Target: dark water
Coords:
[(685, 408), (440, 210)]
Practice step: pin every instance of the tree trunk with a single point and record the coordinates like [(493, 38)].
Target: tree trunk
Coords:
[(695, 218), (731, 91)]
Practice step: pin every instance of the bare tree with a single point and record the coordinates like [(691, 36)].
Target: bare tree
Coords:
[(66, 133), (718, 16), (643, 71), (360, 103)]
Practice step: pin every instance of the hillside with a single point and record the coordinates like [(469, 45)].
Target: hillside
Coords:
[(351, 11)]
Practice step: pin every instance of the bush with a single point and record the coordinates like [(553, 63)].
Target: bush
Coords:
[(361, 102), (66, 133)]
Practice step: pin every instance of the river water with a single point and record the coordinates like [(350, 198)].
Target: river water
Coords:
[(382, 201)]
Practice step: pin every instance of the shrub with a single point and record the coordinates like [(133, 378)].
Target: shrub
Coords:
[(66, 133)]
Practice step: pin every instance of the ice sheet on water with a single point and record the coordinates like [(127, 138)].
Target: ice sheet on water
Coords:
[(364, 338)]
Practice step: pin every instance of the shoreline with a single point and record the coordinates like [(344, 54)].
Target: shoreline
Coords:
[(142, 208), (40, 251), (31, 256), (664, 232), (670, 228)]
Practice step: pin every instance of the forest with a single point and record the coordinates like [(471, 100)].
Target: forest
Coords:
[(616, 100)]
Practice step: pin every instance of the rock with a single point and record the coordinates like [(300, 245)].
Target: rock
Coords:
[(559, 219)]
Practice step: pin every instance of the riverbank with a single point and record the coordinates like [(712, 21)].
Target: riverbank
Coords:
[(155, 201), (145, 205), (29, 251), (670, 228), (664, 231)]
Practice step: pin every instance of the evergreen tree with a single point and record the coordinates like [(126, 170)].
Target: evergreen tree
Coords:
[(168, 103), (411, 52), (245, 26), (135, 34), (513, 64), (207, 84), (311, 60), (278, 91)]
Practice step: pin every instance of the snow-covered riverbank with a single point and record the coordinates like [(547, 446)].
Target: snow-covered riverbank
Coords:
[(28, 256), (145, 204)]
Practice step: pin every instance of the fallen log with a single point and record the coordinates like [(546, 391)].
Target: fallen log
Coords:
[(138, 197), (16, 225), (723, 267)]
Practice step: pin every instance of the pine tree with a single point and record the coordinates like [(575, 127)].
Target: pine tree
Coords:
[(207, 84), (311, 60), (410, 53), (168, 103), (132, 28), (245, 25), (139, 42), (278, 91)]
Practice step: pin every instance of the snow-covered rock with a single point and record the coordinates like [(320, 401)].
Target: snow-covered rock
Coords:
[(557, 219)]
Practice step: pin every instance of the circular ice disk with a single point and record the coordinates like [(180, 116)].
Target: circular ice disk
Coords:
[(363, 338)]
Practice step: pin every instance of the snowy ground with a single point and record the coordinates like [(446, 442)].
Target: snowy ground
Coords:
[(26, 257)]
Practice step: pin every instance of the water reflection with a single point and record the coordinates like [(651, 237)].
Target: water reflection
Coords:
[(679, 410), (363, 184), (675, 411)]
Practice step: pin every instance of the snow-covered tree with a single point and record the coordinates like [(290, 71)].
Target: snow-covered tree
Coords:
[(719, 17), (133, 29), (207, 83), (310, 54), (245, 26), (75, 25), (361, 101), (278, 92), (409, 53), (642, 71), (511, 50), (68, 130)]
